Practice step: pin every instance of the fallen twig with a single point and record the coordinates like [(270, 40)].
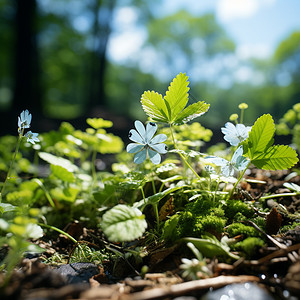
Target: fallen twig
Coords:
[(188, 287)]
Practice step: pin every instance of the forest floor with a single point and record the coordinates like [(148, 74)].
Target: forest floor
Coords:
[(275, 268)]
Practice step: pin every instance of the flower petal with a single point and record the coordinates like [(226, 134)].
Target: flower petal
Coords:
[(140, 156), (154, 157), (135, 137), (218, 161), (158, 139), (228, 170), (140, 128), (160, 148), (238, 152), (150, 131), (134, 148)]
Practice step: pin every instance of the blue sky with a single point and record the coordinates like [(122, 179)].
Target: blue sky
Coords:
[(256, 26)]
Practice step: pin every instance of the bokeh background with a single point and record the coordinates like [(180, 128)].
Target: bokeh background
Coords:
[(73, 59)]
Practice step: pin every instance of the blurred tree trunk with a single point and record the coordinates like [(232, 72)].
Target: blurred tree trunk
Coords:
[(27, 92), (103, 11)]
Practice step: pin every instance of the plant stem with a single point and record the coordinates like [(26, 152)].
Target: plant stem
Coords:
[(237, 182), (242, 116), (280, 195), (60, 231), (12, 163), (41, 185), (182, 156), (143, 194), (94, 155)]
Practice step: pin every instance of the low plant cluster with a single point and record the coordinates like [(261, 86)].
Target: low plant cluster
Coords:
[(161, 190)]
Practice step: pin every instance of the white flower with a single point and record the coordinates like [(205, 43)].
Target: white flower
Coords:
[(33, 231), (145, 143), (234, 134), (24, 120), (32, 137), (238, 162)]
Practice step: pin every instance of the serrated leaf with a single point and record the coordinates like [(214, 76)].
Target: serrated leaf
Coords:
[(191, 112), (123, 223), (277, 157), (62, 173), (177, 96), (261, 135), (154, 106), (58, 161)]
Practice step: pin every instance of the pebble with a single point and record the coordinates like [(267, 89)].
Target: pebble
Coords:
[(239, 291)]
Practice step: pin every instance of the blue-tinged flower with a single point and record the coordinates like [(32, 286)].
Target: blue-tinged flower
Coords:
[(24, 120), (32, 137), (145, 143), (238, 162), (234, 134)]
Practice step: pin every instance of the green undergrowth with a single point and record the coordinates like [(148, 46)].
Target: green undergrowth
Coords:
[(159, 192)]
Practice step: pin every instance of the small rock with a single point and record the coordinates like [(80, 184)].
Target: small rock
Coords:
[(239, 291), (78, 272)]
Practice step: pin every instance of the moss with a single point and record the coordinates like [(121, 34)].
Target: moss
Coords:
[(232, 207), (249, 246), (289, 227), (242, 229), (212, 224)]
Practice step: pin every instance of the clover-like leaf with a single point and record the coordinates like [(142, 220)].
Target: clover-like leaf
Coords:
[(123, 223), (278, 157), (177, 96), (154, 106), (191, 112), (261, 135), (171, 109)]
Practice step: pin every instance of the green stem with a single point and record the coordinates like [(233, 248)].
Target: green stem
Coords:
[(60, 231), (143, 194), (41, 185), (94, 155), (156, 215), (279, 195), (182, 156), (237, 182), (11, 164), (242, 116)]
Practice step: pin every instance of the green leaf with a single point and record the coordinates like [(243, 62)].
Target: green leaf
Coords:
[(292, 186), (62, 173), (177, 96), (210, 246), (99, 123), (6, 207), (67, 194), (110, 144), (154, 199), (123, 223), (191, 112), (261, 135), (170, 228), (58, 161), (277, 157), (154, 106)]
